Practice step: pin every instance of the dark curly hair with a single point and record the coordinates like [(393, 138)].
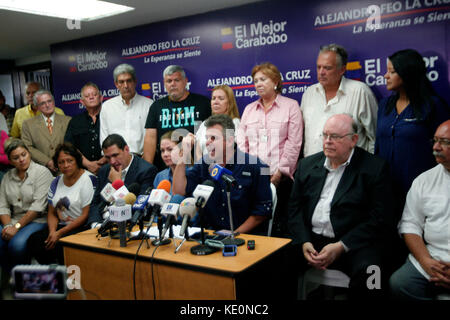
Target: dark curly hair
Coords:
[(69, 149)]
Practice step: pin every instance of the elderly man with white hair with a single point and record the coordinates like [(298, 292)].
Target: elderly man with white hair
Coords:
[(425, 227), (126, 113), (341, 208)]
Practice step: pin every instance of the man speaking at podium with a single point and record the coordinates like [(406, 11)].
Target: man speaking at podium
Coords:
[(251, 196)]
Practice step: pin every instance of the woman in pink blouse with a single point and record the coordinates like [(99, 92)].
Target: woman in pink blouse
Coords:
[(272, 129)]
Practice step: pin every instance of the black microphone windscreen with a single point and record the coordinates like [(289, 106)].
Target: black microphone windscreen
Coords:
[(149, 190), (209, 182), (134, 188)]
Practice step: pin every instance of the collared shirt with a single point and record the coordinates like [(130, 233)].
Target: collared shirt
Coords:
[(23, 114), (251, 196), (274, 136), (353, 97), (125, 171), (127, 120), (321, 223), (27, 194), (165, 174), (52, 118), (403, 140), (427, 214), (84, 134)]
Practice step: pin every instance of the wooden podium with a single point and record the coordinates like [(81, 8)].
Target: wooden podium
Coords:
[(107, 269)]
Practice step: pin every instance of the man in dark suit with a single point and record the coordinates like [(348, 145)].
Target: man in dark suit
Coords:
[(121, 165), (42, 134), (341, 208)]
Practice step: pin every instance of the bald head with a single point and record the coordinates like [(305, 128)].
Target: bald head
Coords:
[(441, 146), (343, 120), (339, 138)]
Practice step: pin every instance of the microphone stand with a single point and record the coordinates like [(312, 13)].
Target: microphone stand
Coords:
[(160, 241), (202, 249), (186, 237), (141, 234), (231, 239)]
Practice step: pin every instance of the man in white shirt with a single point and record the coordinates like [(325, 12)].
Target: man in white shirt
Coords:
[(341, 207), (336, 94), (125, 114), (425, 227)]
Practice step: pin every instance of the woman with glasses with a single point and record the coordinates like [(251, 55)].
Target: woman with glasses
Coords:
[(408, 119)]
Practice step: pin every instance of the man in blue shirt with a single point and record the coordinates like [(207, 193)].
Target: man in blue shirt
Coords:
[(251, 199)]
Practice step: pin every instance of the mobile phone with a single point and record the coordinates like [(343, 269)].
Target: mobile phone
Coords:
[(40, 282), (229, 250)]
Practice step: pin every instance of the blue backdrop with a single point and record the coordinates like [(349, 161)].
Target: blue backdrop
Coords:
[(222, 47)]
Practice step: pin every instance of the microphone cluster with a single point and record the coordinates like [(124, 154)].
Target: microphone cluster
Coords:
[(124, 206), (125, 209)]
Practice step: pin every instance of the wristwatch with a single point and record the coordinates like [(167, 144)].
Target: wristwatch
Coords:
[(17, 225)]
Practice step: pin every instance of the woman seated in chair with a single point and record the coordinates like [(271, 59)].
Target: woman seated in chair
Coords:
[(69, 198), (23, 203)]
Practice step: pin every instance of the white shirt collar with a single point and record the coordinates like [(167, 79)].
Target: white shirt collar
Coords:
[(341, 89), (52, 117), (131, 100), (125, 171)]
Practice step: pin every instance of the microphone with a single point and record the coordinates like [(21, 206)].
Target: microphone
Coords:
[(107, 224), (158, 197), (120, 213), (187, 211), (218, 172), (140, 207), (170, 211), (130, 198), (120, 193), (117, 184), (107, 195), (202, 193), (109, 189), (134, 188)]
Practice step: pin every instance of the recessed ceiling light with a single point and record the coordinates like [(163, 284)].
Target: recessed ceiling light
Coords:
[(82, 10)]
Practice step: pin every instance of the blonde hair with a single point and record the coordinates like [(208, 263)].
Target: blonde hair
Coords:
[(232, 111)]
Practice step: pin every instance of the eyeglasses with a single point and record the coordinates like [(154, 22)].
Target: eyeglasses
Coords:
[(48, 102), (334, 137), (442, 141)]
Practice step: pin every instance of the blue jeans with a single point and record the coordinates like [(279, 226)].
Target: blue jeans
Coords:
[(407, 283), (14, 251)]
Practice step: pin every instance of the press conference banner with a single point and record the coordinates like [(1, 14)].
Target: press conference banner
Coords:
[(221, 47)]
